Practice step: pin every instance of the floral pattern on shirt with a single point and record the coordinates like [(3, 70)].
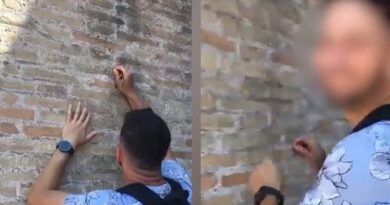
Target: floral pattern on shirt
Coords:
[(360, 163), (380, 161), (330, 180), (170, 169)]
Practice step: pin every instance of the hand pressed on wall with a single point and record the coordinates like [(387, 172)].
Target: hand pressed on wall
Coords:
[(76, 125)]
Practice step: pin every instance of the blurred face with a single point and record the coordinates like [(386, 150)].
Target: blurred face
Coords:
[(351, 56)]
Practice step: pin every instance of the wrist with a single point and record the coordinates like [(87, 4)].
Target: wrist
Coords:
[(269, 200), (66, 147), (60, 156), (73, 143), (269, 194), (130, 94)]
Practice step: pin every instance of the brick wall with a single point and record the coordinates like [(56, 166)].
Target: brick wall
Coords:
[(254, 101), (54, 52)]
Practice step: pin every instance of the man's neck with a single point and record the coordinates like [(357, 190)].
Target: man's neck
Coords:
[(149, 178), (355, 114)]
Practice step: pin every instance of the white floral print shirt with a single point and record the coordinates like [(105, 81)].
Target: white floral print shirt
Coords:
[(357, 171), (170, 169)]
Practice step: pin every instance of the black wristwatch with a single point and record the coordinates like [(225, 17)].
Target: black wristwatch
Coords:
[(65, 147), (266, 191)]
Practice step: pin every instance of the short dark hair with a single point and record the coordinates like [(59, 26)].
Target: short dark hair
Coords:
[(381, 5), (146, 138)]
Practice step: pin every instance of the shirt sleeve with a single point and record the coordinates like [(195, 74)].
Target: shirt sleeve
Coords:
[(173, 170), (358, 164), (91, 198)]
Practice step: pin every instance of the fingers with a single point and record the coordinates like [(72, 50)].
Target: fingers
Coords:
[(83, 115), (69, 113), (87, 119), (301, 147), (80, 115), (77, 112)]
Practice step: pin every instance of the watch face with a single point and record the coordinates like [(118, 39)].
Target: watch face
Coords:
[(64, 146)]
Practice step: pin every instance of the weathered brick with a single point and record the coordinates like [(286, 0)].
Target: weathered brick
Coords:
[(72, 49), (282, 57), (99, 54), (207, 101), (102, 3), (252, 53), (15, 20), (17, 85), (43, 42), (229, 25), (24, 54), (207, 182), (46, 102), (234, 179), (38, 74), (53, 53), (103, 84), (89, 94), (56, 58), (134, 38), (93, 40), (62, 5), (35, 131), (8, 128), (10, 68), (101, 16), (12, 4), (217, 41), (224, 7), (217, 121), (52, 90), (209, 60), (219, 199), (17, 113), (105, 30), (54, 17), (50, 116), (214, 161), (9, 99)]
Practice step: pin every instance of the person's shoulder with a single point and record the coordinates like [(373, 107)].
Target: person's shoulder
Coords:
[(381, 127), (374, 132), (99, 197), (378, 131)]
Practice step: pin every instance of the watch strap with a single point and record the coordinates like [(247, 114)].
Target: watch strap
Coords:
[(266, 191), (70, 151)]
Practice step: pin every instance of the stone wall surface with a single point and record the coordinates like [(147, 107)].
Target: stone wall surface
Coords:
[(55, 52), (255, 101)]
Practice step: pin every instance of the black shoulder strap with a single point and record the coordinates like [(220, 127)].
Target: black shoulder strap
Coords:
[(142, 194), (177, 196)]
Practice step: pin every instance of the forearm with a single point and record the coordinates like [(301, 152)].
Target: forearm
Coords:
[(49, 179), (135, 101)]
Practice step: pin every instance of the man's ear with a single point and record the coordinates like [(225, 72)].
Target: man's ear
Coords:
[(119, 155)]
